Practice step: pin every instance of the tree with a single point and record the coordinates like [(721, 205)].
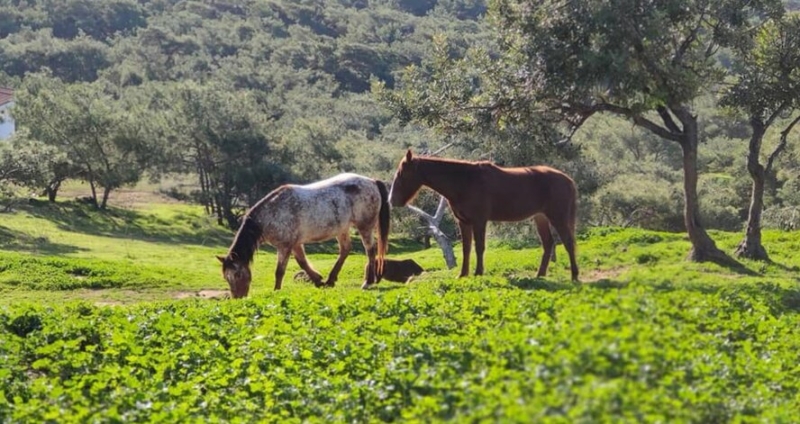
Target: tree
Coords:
[(556, 64), (768, 87), (104, 134), (221, 134), (40, 166)]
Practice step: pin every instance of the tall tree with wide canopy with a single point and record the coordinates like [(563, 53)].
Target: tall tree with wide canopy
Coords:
[(557, 63), (767, 89)]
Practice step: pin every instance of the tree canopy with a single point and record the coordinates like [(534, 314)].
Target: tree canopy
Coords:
[(246, 94)]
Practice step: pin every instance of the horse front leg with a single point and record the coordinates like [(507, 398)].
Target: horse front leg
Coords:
[(283, 258), (371, 249), (300, 257), (479, 231), (466, 246), (344, 249), (548, 243)]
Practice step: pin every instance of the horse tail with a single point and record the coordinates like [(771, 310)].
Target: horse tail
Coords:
[(383, 226), (572, 214)]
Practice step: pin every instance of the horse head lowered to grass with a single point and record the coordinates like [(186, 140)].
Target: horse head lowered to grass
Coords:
[(293, 215), (479, 192)]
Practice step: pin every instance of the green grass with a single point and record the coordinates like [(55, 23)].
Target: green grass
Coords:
[(99, 321)]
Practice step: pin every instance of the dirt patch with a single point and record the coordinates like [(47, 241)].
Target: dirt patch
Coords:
[(135, 199), (203, 294), (126, 198), (602, 274), (108, 303)]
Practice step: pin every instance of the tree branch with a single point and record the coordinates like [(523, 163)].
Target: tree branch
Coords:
[(639, 121), (776, 113), (689, 40), (420, 212), (782, 144), (437, 217), (668, 121)]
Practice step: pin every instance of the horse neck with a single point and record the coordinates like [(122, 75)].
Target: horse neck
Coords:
[(247, 239), (443, 176)]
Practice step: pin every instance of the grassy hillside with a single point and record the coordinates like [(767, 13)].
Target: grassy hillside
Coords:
[(101, 319)]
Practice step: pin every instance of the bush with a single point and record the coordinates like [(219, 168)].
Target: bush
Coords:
[(639, 200)]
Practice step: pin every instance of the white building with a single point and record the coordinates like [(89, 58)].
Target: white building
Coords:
[(7, 126)]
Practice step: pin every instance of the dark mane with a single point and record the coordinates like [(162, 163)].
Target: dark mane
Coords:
[(455, 161), (246, 242), (445, 166)]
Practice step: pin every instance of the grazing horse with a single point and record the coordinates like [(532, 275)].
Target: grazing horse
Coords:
[(292, 215), (479, 192)]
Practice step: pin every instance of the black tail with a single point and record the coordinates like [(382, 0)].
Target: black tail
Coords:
[(383, 226)]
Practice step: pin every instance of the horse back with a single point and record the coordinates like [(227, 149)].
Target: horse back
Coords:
[(322, 210), (518, 193)]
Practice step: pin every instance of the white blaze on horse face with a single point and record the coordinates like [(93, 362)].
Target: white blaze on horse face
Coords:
[(238, 277), (392, 200)]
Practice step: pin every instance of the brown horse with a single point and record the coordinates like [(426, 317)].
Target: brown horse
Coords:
[(292, 215), (479, 192)]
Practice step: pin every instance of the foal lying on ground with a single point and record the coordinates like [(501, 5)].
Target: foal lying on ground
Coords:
[(399, 271), (293, 215)]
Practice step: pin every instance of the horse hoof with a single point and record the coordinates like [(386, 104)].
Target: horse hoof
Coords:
[(366, 285)]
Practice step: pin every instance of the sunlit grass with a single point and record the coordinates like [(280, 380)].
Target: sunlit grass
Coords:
[(57, 250)]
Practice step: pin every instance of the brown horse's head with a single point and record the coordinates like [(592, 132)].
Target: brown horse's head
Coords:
[(237, 274), (407, 182)]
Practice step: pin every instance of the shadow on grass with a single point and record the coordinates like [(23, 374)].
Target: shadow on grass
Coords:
[(779, 299), (21, 242), (793, 268), (387, 286), (129, 224), (181, 228), (528, 283), (396, 246)]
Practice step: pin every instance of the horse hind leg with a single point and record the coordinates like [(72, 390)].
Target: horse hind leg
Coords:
[(479, 233), (466, 247), (371, 248), (345, 246), (548, 243), (280, 269), (567, 234), (300, 256)]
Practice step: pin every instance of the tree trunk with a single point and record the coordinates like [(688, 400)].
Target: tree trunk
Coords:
[(106, 192), (52, 190), (438, 235), (703, 247), (94, 192), (751, 246)]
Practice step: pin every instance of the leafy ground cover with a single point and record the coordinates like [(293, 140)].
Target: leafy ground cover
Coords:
[(647, 337)]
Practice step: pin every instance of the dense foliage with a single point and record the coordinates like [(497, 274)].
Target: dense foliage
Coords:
[(468, 350), (649, 337), (248, 94)]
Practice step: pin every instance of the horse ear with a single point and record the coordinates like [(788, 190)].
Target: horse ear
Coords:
[(221, 259), (408, 155)]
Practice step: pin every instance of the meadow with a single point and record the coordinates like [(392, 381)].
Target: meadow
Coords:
[(116, 316)]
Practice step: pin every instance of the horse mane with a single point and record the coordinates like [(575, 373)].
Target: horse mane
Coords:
[(456, 161), (247, 240)]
